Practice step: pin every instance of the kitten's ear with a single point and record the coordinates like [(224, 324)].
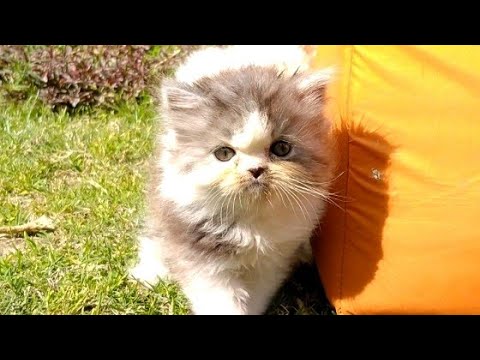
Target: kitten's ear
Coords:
[(313, 85), (179, 96)]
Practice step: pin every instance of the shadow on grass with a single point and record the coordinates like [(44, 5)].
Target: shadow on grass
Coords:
[(302, 294)]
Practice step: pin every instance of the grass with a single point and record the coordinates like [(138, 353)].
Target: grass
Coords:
[(87, 172)]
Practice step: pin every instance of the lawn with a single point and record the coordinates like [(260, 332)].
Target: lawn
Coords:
[(86, 171)]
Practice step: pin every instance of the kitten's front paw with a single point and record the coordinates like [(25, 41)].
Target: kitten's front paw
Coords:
[(148, 275), (209, 297), (217, 309), (150, 269)]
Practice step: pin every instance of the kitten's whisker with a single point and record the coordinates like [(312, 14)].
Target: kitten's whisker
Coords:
[(234, 201), (325, 198), (315, 192), (241, 203), (336, 205), (275, 188), (221, 210), (267, 196), (308, 201), (302, 208), (226, 212), (340, 197), (230, 198), (282, 189), (330, 201), (256, 208), (211, 198), (308, 189), (309, 182), (289, 192), (336, 177)]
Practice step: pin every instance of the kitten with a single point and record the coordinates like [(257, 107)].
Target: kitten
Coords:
[(240, 179)]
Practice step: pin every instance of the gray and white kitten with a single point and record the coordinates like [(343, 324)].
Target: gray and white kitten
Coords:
[(240, 179)]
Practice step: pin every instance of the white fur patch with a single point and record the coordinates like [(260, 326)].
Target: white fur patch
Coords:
[(186, 188), (211, 61), (179, 188), (170, 139), (212, 296), (150, 269), (254, 134)]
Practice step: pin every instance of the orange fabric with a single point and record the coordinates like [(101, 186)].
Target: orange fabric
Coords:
[(406, 238)]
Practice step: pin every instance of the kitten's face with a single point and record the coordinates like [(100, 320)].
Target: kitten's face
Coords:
[(248, 137)]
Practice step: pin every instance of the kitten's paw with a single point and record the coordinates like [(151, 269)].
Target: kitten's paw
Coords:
[(212, 298), (149, 274), (217, 308), (150, 269)]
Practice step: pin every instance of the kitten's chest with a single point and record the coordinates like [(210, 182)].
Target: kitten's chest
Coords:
[(277, 231), (265, 243)]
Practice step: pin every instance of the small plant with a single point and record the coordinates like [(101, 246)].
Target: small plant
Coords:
[(10, 54), (85, 75), (13, 72), (89, 75)]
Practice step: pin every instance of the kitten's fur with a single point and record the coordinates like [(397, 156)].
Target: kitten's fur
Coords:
[(230, 244)]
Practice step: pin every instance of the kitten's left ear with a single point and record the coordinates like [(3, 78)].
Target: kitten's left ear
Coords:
[(179, 96), (313, 85)]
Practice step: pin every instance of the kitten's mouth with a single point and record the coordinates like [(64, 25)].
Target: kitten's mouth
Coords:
[(256, 187)]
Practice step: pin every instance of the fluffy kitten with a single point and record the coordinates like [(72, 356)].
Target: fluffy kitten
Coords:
[(240, 178)]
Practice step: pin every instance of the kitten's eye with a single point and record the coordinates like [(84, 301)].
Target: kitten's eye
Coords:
[(224, 153), (280, 148)]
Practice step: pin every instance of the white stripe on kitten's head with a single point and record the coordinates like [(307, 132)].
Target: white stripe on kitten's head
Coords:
[(212, 60), (252, 136)]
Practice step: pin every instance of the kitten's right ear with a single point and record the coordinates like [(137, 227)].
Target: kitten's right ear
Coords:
[(313, 85), (179, 96)]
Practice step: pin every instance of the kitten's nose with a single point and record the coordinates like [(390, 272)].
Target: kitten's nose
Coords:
[(256, 172)]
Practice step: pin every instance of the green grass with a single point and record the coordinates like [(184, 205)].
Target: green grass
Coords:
[(87, 172)]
